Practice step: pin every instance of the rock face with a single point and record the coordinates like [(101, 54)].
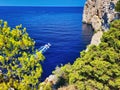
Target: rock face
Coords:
[(96, 22), (96, 38), (51, 80), (99, 13)]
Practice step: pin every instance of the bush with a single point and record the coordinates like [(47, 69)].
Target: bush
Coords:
[(19, 62), (117, 8), (99, 67)]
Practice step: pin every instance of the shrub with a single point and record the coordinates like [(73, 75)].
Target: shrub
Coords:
[(99, 67), (19, 61), (117, 8)]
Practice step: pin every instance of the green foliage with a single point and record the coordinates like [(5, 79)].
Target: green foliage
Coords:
[(70, 87), (23, 68), (45, 86), (99, 67), (117, 8)]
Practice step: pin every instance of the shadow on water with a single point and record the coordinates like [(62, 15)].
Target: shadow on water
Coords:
[(87, 32)]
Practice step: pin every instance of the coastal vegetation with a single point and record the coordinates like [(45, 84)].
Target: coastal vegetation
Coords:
[(20, 67), (117, 8), (98, 68)]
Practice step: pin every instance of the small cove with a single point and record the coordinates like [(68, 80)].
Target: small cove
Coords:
[(60, 26)]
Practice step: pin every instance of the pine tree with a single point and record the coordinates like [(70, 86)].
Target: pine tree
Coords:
[(19, 61)]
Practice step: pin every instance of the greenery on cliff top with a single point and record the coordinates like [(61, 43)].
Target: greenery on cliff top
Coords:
[(19, 62), (99, 67), (117, 8)]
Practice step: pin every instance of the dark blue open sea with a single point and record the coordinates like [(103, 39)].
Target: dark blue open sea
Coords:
[(60, 26)]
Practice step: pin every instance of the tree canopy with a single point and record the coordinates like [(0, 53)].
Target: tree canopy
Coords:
[(99, 67), (20, 66)]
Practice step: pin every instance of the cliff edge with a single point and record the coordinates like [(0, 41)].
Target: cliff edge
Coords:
[(99, 13)]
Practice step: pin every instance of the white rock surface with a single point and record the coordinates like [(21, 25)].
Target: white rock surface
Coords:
[(11, 89), (96, 23), (103, 9), (52, 78), (96, 38)]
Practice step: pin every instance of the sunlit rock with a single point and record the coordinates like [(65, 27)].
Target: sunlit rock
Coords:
[(96, 22), (99, 8), (96, 38)]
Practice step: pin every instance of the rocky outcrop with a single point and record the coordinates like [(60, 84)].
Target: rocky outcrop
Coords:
[(96, 38), (99, 13), (50, 81), (96, 22)]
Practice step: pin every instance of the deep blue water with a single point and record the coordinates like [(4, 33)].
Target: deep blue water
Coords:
[(60, 26)]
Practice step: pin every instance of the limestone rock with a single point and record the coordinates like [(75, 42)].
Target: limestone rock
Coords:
[(0, 72), (11, 89), (96, 22), (96, 38), (52, 79), (103, 9)]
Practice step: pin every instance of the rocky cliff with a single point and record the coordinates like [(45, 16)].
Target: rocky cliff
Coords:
[(99, 13)]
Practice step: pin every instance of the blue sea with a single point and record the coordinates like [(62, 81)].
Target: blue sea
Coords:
[(60, 26)]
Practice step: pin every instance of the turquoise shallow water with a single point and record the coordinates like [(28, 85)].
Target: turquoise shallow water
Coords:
[(60, 26)]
